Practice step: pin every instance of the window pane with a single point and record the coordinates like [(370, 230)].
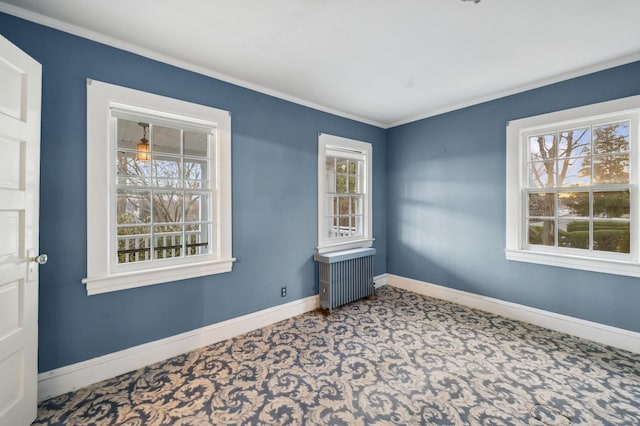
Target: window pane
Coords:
[(574, 171), (331, 182), (134, 244), (573, 233), (359, 225), (332, 227), (332, 206), (573, 204), (196, 207), (341, 165), (167, 169), (195, 173), (341, 184), (166, 140), (168, 241), (611, 138), (542, 147), (356, 205), (196, 144), (167, 207), (542, 232), (132, 171), (354, 167), (574, 143), (197, 239), (611, 169), (330, 164), (133, 207), (353, 187), (345, 230), (343, 206), (541, 174), (614, 204), (611, 236), (355, 230), (542, 204), (129, 134)]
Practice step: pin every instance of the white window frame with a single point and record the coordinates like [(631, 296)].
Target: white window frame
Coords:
[(516, 178), (104, 102), (364, 149)]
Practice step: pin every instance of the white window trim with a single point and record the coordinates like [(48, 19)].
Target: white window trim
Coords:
[(101, 278), (324, 244), (516, 248)]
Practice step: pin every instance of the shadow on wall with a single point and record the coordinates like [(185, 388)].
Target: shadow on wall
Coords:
[(449, 220), (449, 226)]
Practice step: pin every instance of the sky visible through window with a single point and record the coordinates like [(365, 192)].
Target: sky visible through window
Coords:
[(578, 195)]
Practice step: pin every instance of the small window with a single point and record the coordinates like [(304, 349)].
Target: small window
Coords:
[(572, 188), (158, 180), (344, 194)]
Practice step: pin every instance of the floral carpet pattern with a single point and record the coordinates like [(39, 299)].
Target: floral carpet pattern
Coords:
[(396, 358)]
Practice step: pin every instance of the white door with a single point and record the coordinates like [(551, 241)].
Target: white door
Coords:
[(20, 88)]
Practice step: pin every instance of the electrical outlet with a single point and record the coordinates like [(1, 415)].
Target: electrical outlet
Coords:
[(283, 292)]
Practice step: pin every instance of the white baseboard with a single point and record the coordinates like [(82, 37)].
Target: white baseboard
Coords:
[(61, 380), (605, 334), (380, 280), (65, 379)]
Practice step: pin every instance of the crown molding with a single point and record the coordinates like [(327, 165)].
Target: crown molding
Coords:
[(522, 88), (160, 57)]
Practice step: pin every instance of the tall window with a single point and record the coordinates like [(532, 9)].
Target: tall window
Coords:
[(162, 173), (572, 188), (344, 193), (162, 191), (578, 189)]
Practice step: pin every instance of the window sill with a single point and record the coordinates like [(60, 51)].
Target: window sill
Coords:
[(606, 266), (123, 281), (345, 246)]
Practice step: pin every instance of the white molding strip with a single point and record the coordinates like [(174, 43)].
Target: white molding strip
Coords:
[(65, 379), (380, 280), (601, 333)]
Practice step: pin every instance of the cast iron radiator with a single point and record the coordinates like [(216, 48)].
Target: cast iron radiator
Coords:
[(345, 276)]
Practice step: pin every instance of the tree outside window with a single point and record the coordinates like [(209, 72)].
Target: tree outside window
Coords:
[(578, 188), (162, 210)]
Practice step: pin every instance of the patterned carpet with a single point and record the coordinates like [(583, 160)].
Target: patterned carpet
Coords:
[(398, 358)]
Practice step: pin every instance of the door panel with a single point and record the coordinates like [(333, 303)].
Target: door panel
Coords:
[(10, 229), (11, 160), (11, 90), (10, 307), (20, 88), (11, 372)]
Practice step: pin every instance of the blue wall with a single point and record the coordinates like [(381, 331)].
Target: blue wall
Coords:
[(446, 213), (274, 149), (439, 202)]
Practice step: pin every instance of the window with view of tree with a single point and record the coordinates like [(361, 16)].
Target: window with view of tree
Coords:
[(158, 189), (572, 188), (578, 188), (162, 192), (344, 197), (344, 193)]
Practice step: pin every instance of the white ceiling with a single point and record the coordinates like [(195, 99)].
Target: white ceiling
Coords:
[(382, 62)]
